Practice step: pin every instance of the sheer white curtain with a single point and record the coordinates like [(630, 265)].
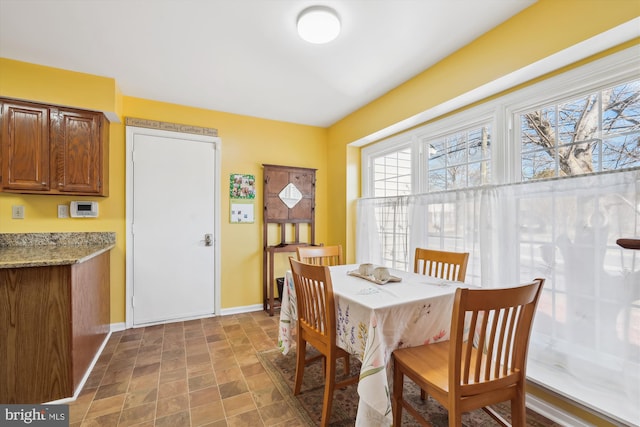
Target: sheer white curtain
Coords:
[(382, 231), (449, 221), (369, 246), (586, 337)]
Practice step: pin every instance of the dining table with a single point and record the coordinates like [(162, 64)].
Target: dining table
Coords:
[(375, 319)]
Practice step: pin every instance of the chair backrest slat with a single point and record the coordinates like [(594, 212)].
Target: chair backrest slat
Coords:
[(490, 335), (504, 337), (441, 264), (466, 361), (321, 255), (314, 295)]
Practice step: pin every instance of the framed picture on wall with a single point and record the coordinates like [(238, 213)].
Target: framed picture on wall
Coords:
[(242, 186)]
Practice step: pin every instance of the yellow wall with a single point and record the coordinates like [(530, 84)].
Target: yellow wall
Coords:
[(539, 31), (247, 143), (543, 29), (43, 84), (55, 86)]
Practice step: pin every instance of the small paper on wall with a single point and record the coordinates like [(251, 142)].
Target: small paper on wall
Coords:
[(242, 213)]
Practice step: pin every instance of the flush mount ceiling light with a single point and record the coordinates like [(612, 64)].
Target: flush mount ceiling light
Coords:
[(318, 24)]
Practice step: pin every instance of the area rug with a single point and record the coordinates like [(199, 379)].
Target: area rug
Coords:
[(281, 368)]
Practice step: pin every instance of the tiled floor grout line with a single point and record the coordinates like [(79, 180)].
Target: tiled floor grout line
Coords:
[(194, 359), (155, 415)]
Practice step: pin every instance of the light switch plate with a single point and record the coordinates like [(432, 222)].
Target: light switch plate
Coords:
[(17, 212), (63, 211)]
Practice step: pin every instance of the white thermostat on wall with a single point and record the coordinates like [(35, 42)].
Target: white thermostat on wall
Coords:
[(84, 209)]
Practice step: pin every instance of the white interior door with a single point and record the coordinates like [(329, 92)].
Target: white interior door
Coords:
[(172, 180)]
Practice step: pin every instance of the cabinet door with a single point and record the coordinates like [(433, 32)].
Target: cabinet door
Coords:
[(25, 146), (305, 182), (275, 180), (78, 151)]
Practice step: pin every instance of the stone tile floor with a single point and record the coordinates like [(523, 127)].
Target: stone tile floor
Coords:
[(196, 373)]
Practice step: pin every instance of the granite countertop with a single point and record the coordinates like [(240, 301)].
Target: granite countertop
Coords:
[(47, 249)]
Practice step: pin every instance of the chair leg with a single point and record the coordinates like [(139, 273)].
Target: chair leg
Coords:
[(518, 411), (398, 385), (455, 417), (499, 418), (329, 384), (347, 366), (423, 394), (301, 354)]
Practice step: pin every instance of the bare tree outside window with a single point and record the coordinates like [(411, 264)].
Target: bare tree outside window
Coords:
[(595, 133)]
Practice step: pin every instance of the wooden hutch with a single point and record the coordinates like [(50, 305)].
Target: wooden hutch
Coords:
[(289, 203)]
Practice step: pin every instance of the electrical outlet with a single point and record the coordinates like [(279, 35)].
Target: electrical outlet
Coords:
[(17, 212), (63, 211)]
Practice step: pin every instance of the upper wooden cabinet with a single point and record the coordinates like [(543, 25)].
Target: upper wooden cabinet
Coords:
[(80, 153), (47, 149), (25, 146)]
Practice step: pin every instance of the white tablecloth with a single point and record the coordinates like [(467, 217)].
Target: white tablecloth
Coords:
[(372, 321)]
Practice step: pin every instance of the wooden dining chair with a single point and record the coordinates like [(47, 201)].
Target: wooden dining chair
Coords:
[(317, 327), (482, 364), (321, 255), (441, 264)]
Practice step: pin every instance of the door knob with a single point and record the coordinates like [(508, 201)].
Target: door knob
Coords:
[(208, 239)]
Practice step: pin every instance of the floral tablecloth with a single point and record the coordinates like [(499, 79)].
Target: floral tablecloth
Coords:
[(373, 320)]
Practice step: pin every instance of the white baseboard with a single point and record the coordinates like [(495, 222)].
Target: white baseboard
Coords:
[(242, 309), (554, 413), (115, 327), (85, 377), (121, 326)]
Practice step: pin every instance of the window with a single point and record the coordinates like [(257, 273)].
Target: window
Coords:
[(594, 133), (392, 220), (459, 159), (536, 183), (392, 173)]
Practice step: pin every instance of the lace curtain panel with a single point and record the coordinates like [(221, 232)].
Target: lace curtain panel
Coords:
[(586, 336)]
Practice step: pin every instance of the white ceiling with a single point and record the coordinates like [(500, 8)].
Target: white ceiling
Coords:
[(243, 56)]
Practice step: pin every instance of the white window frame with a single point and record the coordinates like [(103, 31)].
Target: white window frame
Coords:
[(476, 116), (391, 145), (502, 112), (470, 119), (607, 72)]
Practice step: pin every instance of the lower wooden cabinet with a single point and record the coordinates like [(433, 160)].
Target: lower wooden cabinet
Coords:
[(53, 321)]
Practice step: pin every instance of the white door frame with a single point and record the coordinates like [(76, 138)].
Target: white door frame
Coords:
[(217, 142)]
